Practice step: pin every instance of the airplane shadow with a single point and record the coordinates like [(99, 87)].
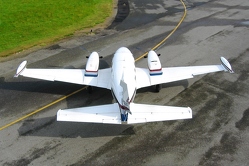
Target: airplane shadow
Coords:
[(49, 127), (28, 85)]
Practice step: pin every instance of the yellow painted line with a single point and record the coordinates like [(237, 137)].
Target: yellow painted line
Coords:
[(62, 98), (42, 108), (173, 31)]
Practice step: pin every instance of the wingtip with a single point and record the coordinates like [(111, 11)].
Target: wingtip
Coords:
[(226, 65), (21, 68)]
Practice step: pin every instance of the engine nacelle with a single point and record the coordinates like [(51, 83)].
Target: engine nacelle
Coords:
[(154, 64), (92, 65)]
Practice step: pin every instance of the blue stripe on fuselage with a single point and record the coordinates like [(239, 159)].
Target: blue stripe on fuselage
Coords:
[(91, 75), (156, 74)]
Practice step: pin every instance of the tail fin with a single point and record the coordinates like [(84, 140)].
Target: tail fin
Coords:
[(142, 113)]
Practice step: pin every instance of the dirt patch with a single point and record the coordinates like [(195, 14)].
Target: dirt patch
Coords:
[(244, 121), (226, 148)]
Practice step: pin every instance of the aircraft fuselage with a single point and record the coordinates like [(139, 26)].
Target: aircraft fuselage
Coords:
[(123, 77)]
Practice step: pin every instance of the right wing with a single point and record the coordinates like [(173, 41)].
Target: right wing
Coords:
[(109, 113), (172, 74), (145, 78), (142, 113), (76, 76)]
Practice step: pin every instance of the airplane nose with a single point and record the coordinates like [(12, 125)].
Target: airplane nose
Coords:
[(123, 50)]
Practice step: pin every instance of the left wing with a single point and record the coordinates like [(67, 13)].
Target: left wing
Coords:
[(144, 78), (76, 76)]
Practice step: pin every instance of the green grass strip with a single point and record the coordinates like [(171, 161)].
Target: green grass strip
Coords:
[(26, 23)]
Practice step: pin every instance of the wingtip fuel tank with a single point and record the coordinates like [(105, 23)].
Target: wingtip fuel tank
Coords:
[(226, 64), (21, 68)]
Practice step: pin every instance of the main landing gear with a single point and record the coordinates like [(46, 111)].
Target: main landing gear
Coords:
[(89, 89), (158, 87)]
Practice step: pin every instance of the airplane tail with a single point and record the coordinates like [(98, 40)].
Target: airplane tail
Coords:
[(110, 113)]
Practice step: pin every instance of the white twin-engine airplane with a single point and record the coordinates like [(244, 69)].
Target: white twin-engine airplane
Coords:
[(123, 79)]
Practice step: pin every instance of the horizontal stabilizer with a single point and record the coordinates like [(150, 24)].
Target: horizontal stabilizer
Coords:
[(109, 113), (142, 113)]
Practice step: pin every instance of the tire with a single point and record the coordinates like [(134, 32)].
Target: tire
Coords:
[(89, 89), (158, 87)]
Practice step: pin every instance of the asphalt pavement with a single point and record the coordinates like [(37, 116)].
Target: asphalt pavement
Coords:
[(218, 132)]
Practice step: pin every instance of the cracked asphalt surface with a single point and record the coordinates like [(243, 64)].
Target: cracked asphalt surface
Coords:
[(218, 132)]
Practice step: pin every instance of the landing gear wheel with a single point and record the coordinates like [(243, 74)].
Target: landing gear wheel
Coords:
[(158, 87), (89, 89)]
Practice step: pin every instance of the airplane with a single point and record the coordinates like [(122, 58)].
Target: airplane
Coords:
[(123, 79)]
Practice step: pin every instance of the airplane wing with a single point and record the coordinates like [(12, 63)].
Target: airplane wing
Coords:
[(109, 113), (172, 74), (144, 78), (142, 113), (76, 76)]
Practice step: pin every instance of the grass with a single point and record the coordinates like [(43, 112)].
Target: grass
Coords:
[(26, 23)]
